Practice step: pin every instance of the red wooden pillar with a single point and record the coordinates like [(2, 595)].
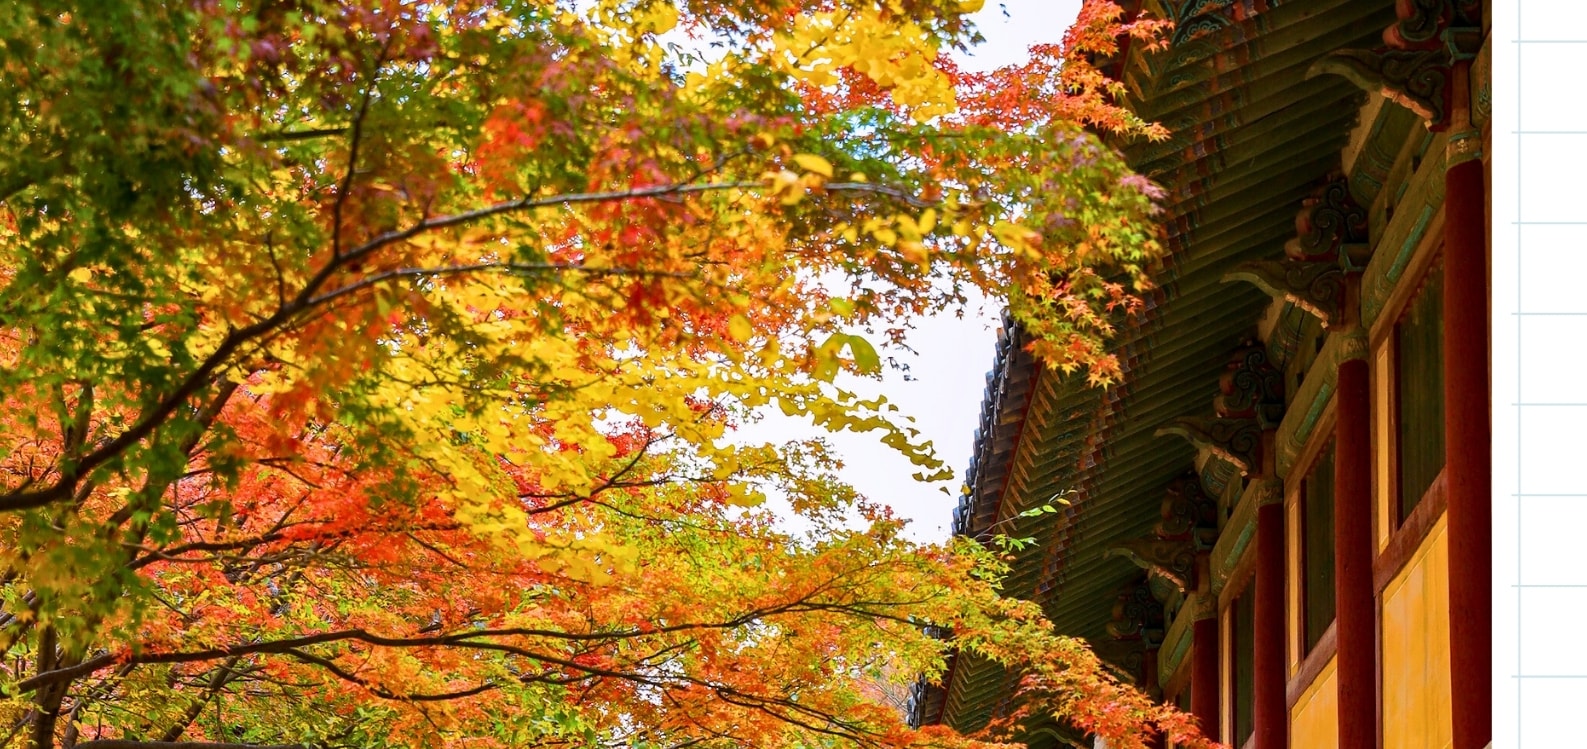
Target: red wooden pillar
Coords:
[(1269, 713), (1355, 628), (1204, 685), (1468, 466)]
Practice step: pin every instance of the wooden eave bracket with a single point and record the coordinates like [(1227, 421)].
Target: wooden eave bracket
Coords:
[(1238, 441), (1137, 615), (1250, 387), (1330, 240), (1415, 79), (1173, 560), (1318, 288), (1414, 69), (1188, 513)]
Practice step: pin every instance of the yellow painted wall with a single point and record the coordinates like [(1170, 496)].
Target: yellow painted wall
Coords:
[(1416, 712), (1314, 721)]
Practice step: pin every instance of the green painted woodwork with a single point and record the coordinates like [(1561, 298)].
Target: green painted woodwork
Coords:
[(1177, 639), (1283, 344), (1482, 87), (1390, 128), (1413, 215), (1237, 533), (1309, 401)]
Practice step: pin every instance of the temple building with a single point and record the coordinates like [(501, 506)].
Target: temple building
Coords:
[(1281, 519)]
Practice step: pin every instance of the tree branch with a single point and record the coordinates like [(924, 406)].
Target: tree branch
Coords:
[(476, 639), (354, 141), (310, 296), (288, 136), (515, 269)]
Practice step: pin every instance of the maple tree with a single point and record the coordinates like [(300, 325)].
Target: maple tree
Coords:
[(370, 368)]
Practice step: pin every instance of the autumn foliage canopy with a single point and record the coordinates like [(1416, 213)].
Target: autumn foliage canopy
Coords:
[(369, 369)]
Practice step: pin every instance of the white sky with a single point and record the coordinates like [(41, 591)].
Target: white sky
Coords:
[(953, 355)]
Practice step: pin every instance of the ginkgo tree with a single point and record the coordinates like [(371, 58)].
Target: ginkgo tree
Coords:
[(368, 369)]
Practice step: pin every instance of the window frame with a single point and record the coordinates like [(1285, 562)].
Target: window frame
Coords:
[(1384, 390), (1402, 506), (1229, 670), (1321, 437), (1327, 448)]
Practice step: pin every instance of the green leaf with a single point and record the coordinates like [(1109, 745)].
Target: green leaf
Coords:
[(865, 356)]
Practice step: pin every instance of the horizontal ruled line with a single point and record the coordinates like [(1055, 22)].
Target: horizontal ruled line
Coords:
[(1548, 223)]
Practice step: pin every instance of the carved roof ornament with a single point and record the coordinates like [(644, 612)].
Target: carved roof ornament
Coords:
[(1238, 441), (1172, 559), (1251, 388), (1413, 68), (1419, 24), (1328, 224), (1422, 23), (1415, 79), (1330, 239), (1316, 288), (1137, 615), (1188, 512)]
